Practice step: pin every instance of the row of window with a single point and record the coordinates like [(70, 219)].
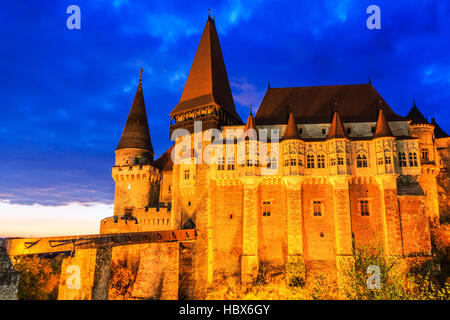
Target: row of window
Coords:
[(317, 208), (412, 157), (361, 161)]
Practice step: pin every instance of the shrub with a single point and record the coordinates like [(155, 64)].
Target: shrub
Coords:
[(39, 278)]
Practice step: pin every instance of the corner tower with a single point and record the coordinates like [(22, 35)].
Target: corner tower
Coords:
[(207, 93), (137, 180)]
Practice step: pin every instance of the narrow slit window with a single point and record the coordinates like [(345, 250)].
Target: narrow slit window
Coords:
[(364, 207), (317, 208)]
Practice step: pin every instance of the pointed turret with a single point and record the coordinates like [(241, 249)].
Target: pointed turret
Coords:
[(382, 129), (207, 84), (291, 129), (136, 134), (416, 116), (250, 128), (438, 132), (336, 130)]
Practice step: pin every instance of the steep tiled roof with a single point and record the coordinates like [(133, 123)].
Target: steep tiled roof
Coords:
[(357, 103), (383, 129), (249, 126), (291, 129), (416, 116), (438, 132), (207, 82), (164, 162), (136, 133), (336, 128)]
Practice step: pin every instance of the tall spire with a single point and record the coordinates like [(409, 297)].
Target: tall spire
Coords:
[(291, 129), (136, 133), (207, 82), (336, 130), (382, 129)]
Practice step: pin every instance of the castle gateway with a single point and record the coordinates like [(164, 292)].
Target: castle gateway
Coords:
[(317, 171)]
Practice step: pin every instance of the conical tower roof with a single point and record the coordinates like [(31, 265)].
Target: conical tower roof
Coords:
[(336, 128), (136, 133), (416, 116), (382, 129), (249, 126), (207, 82), (291, 129), (438, 132)]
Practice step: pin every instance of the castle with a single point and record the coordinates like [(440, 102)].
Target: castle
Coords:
[(315, 172)]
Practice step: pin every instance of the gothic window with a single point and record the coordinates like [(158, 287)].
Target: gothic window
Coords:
[(361, 161), (387, 160), (317, 208), (380, 161), (340, 161), (230, 163), (186, 174), (300, 162), (266, 208), (412, 159), (286, 162), (310, 161), (425, 154), (321, 161), (293, 162), (364, 205), (402, 159), (332, 161), (220, 163)]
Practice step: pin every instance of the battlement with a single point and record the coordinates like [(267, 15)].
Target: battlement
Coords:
[(135, 172), (143, 219)]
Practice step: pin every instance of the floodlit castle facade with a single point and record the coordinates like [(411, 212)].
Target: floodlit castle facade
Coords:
[(317, 171)]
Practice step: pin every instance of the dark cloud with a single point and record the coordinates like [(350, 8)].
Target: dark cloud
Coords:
[(65, 95)]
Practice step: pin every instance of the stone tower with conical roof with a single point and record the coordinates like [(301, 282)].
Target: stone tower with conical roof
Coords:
[(136, 178)]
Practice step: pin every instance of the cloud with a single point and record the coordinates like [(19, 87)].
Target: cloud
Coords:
[(245, 93), (40, 221)]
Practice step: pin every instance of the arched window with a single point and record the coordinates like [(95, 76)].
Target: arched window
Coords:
[(402, 159), (321, 161), (310, 161), (300, 162), (413, 159), (361, 161), (286, 162), (293, 162)]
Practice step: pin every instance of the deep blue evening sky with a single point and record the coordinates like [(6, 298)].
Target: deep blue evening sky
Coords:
[(65, 94)]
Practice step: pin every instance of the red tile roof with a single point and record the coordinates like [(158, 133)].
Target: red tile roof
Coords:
[(357, 103), (207, 82)]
